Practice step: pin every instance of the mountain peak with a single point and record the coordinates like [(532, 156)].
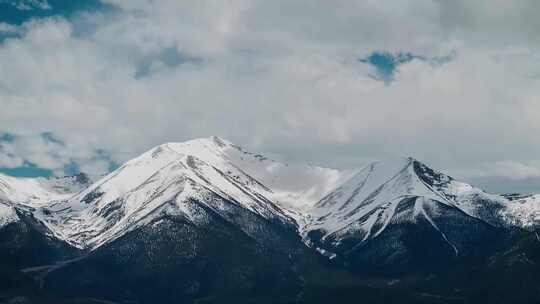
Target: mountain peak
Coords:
[(212, 141), (199, 147)]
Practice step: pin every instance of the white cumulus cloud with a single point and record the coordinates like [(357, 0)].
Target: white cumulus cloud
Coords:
[(283, 77)]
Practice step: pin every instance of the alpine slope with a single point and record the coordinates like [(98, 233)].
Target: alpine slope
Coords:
[(327, 207)]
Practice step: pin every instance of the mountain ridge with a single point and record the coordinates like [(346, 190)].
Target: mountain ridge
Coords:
[(254, 182), (205, 218)]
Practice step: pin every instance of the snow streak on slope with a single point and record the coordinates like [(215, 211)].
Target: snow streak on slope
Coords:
[(419, 209)]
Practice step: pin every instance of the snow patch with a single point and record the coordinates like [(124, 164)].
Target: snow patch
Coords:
[(8, 215), (523, 212)]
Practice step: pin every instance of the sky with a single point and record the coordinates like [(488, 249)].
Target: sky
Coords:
[(87, 85)]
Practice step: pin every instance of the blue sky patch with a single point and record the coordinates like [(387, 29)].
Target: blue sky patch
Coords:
[(27, 170), (17, 12), (387, 63)]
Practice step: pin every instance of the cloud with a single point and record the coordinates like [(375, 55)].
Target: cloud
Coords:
[(285, 77), (509, 169), (491, 23), (26, 5), (507, 176), (46, 154), (6, 28)]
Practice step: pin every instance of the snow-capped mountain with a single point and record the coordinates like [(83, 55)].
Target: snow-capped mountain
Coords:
[(368, 202), (31, 194), (384, 197), (163, 179), (37, 191), (332, 202), (205, 216)]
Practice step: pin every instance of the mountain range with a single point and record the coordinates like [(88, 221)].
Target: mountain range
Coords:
[(205, 221)]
